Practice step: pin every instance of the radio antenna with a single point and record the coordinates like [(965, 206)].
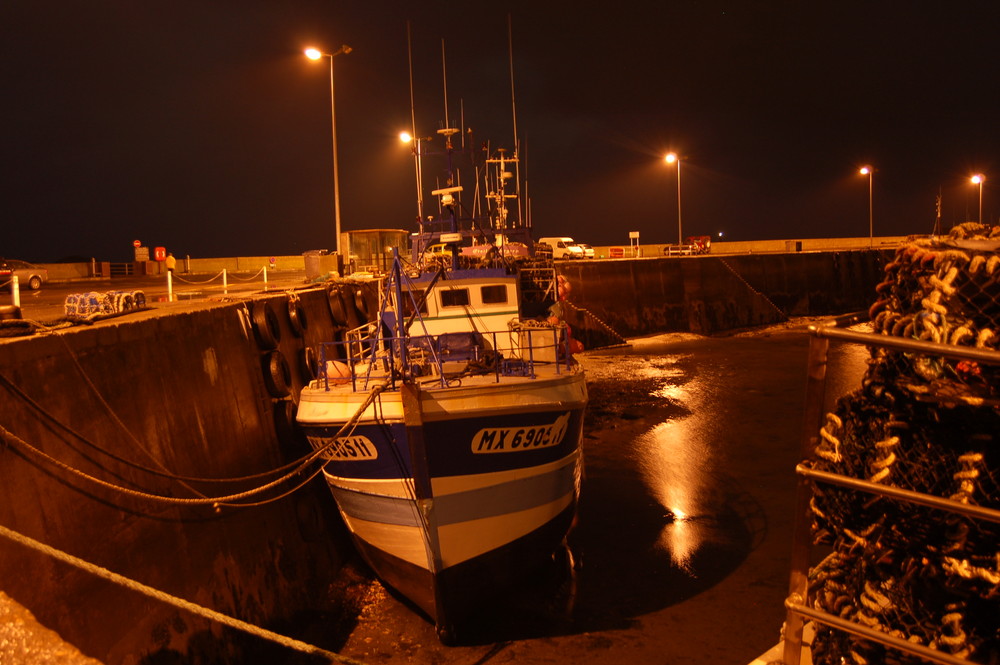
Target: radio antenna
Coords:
[(409, 56), (513, 106), (444, 79)]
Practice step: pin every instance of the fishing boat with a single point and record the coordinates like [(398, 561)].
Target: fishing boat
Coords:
[(451, 425)]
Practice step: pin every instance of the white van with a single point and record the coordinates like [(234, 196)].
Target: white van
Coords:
[(563, 248)]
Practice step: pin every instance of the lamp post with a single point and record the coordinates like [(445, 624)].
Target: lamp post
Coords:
[(316, 54), (978, 180), (670, 158), (868, 171), (405, 137)]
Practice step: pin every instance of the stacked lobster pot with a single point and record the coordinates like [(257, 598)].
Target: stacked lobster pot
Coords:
[(93, 304), (928, 424)]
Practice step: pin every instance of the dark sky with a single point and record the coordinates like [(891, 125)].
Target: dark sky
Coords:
[(198, 125)]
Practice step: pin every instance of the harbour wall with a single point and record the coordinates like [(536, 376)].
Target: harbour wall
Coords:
[(191, 393), (146, 402), (709, 294)]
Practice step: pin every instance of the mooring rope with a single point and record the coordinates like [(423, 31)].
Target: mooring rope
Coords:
[(216, 502), (755, 291), (162, 596)]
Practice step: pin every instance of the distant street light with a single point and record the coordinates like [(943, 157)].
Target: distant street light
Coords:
[(670, 158), (316, 54), (978, 179), (868, 171)]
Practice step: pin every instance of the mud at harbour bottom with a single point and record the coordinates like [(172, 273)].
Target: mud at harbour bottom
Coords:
[(682, 546)]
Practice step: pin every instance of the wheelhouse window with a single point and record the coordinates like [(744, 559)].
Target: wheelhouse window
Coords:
[(494, 295), (409, 297), (455, 298)]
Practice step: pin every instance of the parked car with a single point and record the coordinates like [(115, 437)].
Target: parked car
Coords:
[(563, 248), (588, 251), (437, 250), (28, 275)]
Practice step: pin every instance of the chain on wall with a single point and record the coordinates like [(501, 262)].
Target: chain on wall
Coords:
[(927, 424)]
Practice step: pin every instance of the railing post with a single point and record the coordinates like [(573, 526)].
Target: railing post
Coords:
[(798, 586)]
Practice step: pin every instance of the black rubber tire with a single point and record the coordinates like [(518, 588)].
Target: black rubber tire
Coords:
[(297, 317), (361, 303), (285, 427), (354, 317), (265, 326), (337, 306), (309, 363), (277, 375), (35, 283)]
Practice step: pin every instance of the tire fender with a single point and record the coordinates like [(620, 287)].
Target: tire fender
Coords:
[(265, 326), (277, 375), (297, 316)]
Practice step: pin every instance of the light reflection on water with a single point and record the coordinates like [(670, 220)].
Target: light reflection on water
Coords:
[(703, 404), (675, 463)]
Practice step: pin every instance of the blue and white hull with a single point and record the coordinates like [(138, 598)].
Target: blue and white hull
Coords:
[(454, 493)]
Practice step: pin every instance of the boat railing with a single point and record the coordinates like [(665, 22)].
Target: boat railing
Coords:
[(362, 360)]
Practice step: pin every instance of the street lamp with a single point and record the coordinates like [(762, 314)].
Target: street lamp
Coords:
[(978, 180), (670, 158), (405, 137), (868, 171), (316, 54)]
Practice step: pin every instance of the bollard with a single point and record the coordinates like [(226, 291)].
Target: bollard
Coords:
[(170, 286), (15, 291), (265, 278), (225, 283)]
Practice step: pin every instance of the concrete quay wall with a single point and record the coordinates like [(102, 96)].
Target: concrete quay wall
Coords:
[(709, 294), (185, 393)]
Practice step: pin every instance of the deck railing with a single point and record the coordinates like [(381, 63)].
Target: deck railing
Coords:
[(363, 357)]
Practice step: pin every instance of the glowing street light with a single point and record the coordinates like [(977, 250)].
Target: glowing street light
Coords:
[(316, 54), (868, 171), (978, 179), (670, 158)]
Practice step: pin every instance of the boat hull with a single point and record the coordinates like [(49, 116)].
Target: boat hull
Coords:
[(456, 497)]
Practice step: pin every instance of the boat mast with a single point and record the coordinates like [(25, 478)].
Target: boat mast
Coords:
[(521, 215), (413, 133)]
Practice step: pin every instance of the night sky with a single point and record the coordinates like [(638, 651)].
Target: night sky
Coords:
[(200, 126)]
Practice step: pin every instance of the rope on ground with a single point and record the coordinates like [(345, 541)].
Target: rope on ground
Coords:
[(162, 596)]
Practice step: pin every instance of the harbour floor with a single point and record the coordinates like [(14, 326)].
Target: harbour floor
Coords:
[(681, 551)]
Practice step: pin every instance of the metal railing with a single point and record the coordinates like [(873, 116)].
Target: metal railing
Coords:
[(363, 357), (797, 603)]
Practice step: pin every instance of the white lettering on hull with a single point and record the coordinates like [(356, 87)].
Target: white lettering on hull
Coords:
[(347, 448), (516, 439)]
